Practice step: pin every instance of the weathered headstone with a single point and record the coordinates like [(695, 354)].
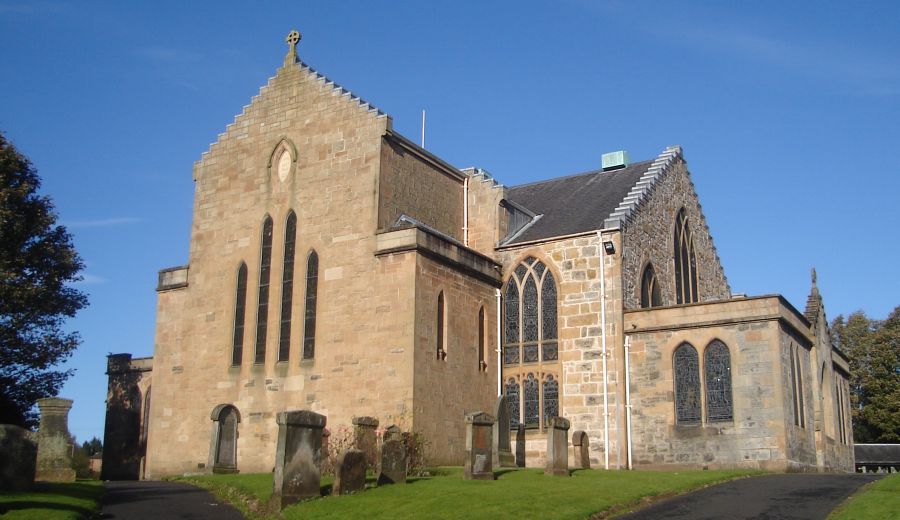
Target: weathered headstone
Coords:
[(18, 455), (298, 456), (479, 444), (392, 433), (54, 452), (520, 446), (557, 447), (364, 438), (581, 447), (393, 461), (350, 474), (502, 453)]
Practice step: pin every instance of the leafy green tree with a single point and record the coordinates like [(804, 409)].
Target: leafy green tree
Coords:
[(37, 262), (874, 351), (93, 447)]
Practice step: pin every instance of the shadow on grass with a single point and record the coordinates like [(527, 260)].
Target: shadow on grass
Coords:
[(17, 501), (19, 505)]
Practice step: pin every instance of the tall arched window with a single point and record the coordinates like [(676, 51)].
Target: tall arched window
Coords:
[(685, 261), (530, 347), (482, 339), (797, 384), (439, 332), (240, 311), (262, 306), (287, 287), (717, 370), (309, 321), (686, 367), (649, 288)]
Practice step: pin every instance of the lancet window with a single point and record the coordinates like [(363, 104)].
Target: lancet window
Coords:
[(687, 385), (686, 290), (309, 320), (717, 369), (287, 287), (240, 311), (649, 288), (262, 306)]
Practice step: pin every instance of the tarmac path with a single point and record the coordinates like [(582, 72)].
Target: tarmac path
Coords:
[(152, 500), (769, 497)]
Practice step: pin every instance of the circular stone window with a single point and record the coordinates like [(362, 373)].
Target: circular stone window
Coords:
[(284, 165)]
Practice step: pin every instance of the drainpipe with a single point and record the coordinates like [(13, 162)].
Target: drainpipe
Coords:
[(466, 211), (603, 343), (628, 402), (499, 377)]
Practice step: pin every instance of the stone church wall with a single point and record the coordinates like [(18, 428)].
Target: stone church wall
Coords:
[(126, 403), (364, 302), (650, 237), (759, 435), (800, 439)]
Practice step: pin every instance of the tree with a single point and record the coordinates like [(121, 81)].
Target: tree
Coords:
[(874, 351), (37, 262), (93, 447)]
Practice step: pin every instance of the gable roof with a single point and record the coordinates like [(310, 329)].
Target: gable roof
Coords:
[(574, 204)]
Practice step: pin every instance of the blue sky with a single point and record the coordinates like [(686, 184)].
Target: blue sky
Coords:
[(787, 112)]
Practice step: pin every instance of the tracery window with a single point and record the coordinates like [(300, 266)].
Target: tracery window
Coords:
[(687, 385), (685, 261), (717, 370), (530, 347), (309, 320), (240, 311), (262, 307), (287, 287), (440, 332), (482, 338), (649, 289)]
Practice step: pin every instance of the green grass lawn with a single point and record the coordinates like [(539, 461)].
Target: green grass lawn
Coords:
[(876, 501), (524, 493), (58, 501)]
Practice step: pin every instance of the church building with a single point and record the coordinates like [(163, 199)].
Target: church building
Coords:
[(336, 266)]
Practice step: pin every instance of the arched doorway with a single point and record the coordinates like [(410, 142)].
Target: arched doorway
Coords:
[(223, 448)]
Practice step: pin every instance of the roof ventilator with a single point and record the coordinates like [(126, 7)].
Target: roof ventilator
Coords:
[(615, 160)]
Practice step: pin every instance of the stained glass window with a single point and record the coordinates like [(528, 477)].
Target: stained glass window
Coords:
[(531, 333), (551, 398), (649, 289), (687, 385), (531, 401), (287, 287), (512, 312), (309, 319), (512, 401), (240, 310), (529, 311), (262, 307), (685, 261), (717, 368)]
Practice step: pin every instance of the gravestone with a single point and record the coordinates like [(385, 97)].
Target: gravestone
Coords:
[(502, 453), (350, 474), (54, 451), (364, 439), (392, 433), (298, 456), (581, 447), (557, 447), (18, 456), (520, 446), (393, 460), (479, 444)]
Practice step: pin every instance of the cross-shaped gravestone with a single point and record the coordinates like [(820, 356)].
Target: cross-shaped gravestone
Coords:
[(293, 38)]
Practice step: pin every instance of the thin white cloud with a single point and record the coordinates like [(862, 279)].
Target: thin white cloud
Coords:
[(105, 222), (168, 55), (90, 279)]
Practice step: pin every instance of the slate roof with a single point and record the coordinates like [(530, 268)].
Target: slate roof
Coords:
[(877, 453), (574, 204)]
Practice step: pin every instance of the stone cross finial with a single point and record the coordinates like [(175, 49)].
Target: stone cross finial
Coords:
[(814, 276), (293, 38)]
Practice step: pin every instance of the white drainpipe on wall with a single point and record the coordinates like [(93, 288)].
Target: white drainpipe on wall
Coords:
[(603, 353), (499, 380), (628, 402), (466, 211)]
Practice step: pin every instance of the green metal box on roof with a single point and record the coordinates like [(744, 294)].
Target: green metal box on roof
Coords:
[(615, 160)]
